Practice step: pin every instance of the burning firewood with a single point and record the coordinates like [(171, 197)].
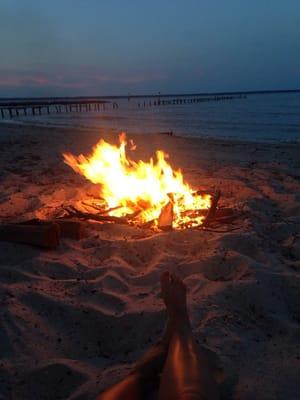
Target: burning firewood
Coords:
[(138, 185), (165, 219), (213, 208), (72, 212), (100, 210)]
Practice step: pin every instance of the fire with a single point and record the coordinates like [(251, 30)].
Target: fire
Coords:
[(139, 187)]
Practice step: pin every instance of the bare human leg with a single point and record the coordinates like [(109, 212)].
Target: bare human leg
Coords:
[(188, 374), (144, 378)]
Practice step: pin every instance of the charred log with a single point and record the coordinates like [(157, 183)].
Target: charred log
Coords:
[(213, 208), (165, 219)]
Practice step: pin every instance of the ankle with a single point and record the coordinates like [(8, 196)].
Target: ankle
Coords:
[(181, 320)]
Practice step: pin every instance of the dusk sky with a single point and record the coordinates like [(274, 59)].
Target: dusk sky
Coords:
[(95, 47)]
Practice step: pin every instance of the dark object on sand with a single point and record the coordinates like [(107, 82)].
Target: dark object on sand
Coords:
[(44, 234), (169, 133), (68, 228), (71, 229)]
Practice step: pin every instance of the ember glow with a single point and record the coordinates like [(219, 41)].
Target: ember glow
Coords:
[(139, 187)]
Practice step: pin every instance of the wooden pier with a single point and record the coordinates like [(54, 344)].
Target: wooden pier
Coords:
[(23, 107), (160, 101), (18, 108)]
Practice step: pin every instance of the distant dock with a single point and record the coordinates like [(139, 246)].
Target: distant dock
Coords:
[(16, 108), (160, 101), (13, 108)]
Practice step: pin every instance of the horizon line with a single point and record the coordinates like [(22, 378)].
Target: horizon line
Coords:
[(130, 96)]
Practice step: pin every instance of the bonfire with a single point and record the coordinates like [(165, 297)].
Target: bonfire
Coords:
[(146, 192)]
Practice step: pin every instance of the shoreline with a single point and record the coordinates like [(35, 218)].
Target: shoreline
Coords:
[(16, 125)]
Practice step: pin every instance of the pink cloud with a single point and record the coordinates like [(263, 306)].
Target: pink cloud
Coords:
[(70, 77)]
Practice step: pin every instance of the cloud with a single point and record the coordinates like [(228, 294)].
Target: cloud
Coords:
[(70, 77)]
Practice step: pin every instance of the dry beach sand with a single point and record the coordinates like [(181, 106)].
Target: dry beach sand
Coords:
[(75, 319)]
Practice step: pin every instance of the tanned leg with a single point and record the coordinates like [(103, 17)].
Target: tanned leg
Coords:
[(145, 376), (188, 373)]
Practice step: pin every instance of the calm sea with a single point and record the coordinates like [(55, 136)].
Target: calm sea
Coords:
[(260, 117)]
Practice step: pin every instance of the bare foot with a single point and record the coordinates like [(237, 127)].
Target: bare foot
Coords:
[(174, 295)]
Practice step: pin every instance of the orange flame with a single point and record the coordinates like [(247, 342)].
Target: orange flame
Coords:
[(139, 186)]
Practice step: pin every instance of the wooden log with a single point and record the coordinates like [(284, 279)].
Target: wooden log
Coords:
[(225, 212), (165, 219), (203, 192), (148, 224), (45, 236), (74, 213), (100, 210), (194, 213), (212, 211), (69, 228)]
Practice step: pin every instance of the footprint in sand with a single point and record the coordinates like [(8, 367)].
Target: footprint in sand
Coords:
[(228, 267), (58, 380)]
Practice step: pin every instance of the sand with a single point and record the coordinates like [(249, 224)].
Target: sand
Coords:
[(75, 319)]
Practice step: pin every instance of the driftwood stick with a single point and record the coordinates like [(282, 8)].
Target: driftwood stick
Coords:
[(203, 193), (100, 210), (225, 212), (148, 224), (94, 206), (133, 215), (194, 213), (226, 220), (212, 211), (100, 218)]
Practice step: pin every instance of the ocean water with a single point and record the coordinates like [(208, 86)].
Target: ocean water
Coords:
[(258, 117)]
